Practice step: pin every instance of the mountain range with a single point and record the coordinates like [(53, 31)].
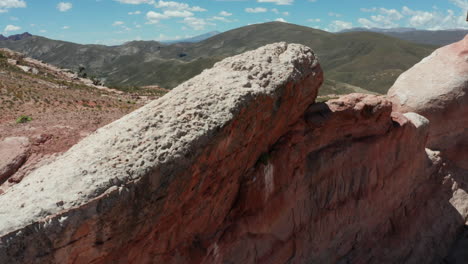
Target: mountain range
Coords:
[(197, 38), (430, 37), (368, 60), (15, 37)]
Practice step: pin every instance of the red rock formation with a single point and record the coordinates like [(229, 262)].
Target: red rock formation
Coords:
[(437, 88), (238, 165), (332, 190), (170, 170)]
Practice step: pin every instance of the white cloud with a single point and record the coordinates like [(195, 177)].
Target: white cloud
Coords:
[(155, 17), (373, 9), (65, 27), (118, 23), (7, 4), (10, 28), (314, 20), (277, 2), (434, 19), (281, 20), (136, 2), (134, 13), (392, 14), (367, 23), (276, 11), (386, 18), (463, 4), (219, 18), (43, 31), (255, 10), (64, 6), (176, 13), (171, 5), (224, 13), (165, 5), (333, 14), (338, 25), (421, 19), (196, 23)]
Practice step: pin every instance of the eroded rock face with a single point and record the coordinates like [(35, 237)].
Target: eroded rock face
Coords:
[(344, 185), (239, 165), (437, 88), (175, 163)]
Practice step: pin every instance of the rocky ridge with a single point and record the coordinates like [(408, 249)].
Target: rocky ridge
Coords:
[(239, 165)]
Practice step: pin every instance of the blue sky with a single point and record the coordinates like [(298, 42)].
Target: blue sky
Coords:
[(113, 22)]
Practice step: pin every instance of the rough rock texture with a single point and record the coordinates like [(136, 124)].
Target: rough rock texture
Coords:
[(13, 153), (239, 165), (350, 183), (172, 159), (437, 88)]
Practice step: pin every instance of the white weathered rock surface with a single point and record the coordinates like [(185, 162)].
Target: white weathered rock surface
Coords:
[(437, 88), (266, 90), (13, 153)]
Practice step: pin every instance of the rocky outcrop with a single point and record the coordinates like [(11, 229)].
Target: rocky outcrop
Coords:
[(239, 165), (14, 151), (188, 148), (437, 88)]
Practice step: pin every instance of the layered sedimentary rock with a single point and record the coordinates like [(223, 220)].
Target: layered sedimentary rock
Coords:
[(239, 165)]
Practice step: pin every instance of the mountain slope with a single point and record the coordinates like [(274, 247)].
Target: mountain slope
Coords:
[(193, 39), (429, 37), (365, 59), (53, 109)]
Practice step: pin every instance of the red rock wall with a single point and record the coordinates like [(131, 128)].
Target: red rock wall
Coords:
[(334, 189)]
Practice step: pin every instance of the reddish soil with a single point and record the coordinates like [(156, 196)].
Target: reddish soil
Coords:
[(62, 110)]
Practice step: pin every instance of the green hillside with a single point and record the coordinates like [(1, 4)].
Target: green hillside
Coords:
[(368, 60)]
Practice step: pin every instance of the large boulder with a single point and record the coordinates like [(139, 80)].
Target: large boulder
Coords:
[(151, 185), (437, 88)]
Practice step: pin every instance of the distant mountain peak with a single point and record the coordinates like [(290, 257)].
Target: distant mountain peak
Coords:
[(16, 37)]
